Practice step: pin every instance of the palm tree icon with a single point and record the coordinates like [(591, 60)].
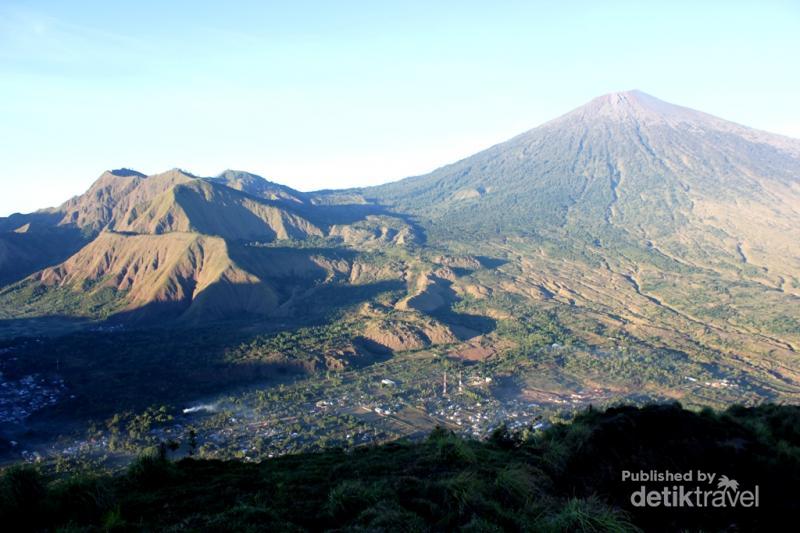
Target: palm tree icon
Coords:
[(725, 483)]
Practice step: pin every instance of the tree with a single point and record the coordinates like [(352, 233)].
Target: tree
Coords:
[(192, 441)]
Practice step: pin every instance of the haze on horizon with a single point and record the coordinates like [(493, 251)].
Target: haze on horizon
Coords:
[(321, 96)]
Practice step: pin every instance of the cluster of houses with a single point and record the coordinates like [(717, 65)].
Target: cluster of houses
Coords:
[(252, 428), (19, 398)]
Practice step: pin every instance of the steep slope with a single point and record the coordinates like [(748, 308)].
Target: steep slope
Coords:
[(29, 248), (188, 247), (115, 193), (119, 195), (213, 209), (626, 165), (177, 274), (628, 170)]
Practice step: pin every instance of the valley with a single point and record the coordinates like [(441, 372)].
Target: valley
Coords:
[(629, 251)]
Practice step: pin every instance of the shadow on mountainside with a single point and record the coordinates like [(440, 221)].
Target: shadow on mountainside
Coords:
[(464, 326), (108, 372), (23, 253), (307, 304), (334, 214), (289, 264), (50, 325), (36, 220), (491, 262), (140, 357)]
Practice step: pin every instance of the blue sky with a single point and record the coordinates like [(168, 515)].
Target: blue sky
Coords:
[(334, 94)]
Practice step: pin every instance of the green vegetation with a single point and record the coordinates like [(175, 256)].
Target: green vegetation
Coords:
[(591, 261), (303, 346), (565, 478)]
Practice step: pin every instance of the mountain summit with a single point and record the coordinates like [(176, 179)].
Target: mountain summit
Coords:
[(641, 108), (634, 104), (624, 168)]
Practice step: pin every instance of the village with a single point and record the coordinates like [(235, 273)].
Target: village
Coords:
[(354, 411), (19, 398), (406, 397)]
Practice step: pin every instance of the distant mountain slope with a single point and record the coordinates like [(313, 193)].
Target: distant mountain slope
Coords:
[(662, 221), (258, 186), (627, 171), (665, 218), (624, 166), (177, 274), (213, 209), (117, 194), (29, 242), (113, 194), (178, 246), (29, 248)]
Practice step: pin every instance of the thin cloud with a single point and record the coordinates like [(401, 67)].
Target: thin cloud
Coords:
[(34, 41)]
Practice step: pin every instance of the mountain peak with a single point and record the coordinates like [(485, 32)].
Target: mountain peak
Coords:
[(632, 98), (632, 94), (231, 174), (125, 173), (257, 186), (180, 172), (634, 104), (622, 156)]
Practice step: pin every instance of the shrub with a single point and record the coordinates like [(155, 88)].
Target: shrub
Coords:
[(83, 499), (22, 496), (516, 484), (151, 469), (504, 438), (450, 449), (388, 516), (481, 525), (588, 516), (348, 499), (465, 491)]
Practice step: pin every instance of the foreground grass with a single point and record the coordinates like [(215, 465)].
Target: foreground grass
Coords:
[(566, 478)]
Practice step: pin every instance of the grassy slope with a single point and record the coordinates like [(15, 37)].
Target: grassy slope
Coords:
[(564, 479)]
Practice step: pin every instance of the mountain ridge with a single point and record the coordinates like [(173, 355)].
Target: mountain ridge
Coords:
[(659, 194), (612, 175)]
